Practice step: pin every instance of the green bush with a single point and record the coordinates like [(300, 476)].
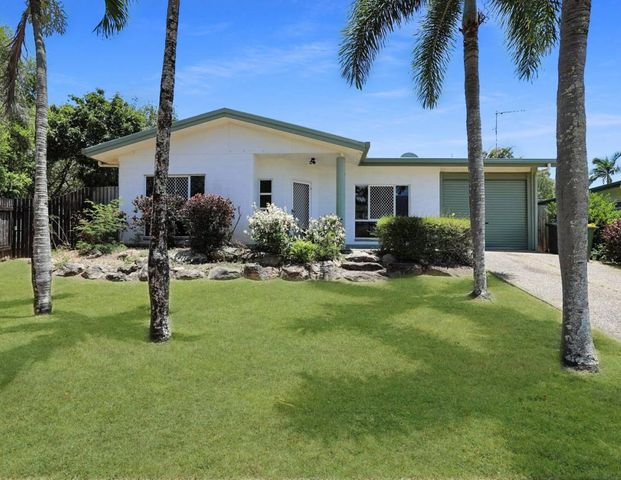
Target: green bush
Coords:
[(602, 209), (328, 235), (611, 237), (208, 219), (143, 209), (100, 226), (441, 241), (302, 251)]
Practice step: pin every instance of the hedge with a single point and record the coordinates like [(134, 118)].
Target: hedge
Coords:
[(440, 241)]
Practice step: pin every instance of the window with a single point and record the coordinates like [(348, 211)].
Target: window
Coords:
[(182, 185), (265, 193), (376, 201)]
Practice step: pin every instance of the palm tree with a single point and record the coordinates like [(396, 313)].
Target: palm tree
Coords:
[(530, 29), (605, 168), (159, 271), (46, 17), (572, 187)]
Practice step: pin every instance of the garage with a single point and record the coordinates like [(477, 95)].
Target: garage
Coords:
[(506, 205)]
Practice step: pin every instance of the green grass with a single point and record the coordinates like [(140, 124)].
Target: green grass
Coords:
[(407, 378)]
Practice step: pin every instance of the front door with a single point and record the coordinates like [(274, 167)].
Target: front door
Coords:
[(301, 203)]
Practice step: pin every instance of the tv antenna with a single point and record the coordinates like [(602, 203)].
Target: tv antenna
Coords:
[(503, 113)]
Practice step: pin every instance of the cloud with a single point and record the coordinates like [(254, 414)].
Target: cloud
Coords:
[(395, 93), (205, 30), (603, 120), (305, 59)]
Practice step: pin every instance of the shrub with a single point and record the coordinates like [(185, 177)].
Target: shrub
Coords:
[(328, 235), (100, 226), (272, 229), (174, 215), (602, 209), (208, 219), (442, 241), (611, 237), (302, 251)]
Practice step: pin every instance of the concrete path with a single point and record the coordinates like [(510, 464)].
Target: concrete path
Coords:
[(539, 274)]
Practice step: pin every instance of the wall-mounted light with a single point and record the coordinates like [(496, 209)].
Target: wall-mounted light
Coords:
[(312, 161)]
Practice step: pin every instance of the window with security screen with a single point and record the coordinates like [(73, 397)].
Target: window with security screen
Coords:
[(376, 201)]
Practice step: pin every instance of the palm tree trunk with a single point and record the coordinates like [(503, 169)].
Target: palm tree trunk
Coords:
[(572, 183), (470, 30), (159, 271), (41, 264)]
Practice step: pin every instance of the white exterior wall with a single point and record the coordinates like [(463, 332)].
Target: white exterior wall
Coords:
[(424, 191), (225, 154)]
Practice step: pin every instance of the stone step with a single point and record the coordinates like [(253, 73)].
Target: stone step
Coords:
[(362, 266), (362, 257)]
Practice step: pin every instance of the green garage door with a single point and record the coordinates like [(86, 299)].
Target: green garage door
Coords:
[(506, 205)]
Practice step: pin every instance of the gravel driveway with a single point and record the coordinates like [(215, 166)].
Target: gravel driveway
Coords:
[(539, 274)]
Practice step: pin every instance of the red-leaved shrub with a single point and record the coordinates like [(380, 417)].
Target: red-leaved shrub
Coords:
[(208, 221), (611, 236), (143, 209)]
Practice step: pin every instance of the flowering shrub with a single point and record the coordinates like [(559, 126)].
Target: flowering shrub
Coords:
[(208, 219), (328, 235), (272, 229), (302, 251), (611, 236), (174, 215)]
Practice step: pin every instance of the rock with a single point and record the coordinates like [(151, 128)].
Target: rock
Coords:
[(437, 271), (94, 272), (128, 268), (94, 254), (362, 257), (401, 269), (187, 274), (389, 259), (116, 277), (133, 276), (143, 275), (326, 270), (362, 266), (224, 273), (269, 260), (294, 273), (123, 255), (362, 276), (70, 270), (254, 271), (188, 256), (141, 262)]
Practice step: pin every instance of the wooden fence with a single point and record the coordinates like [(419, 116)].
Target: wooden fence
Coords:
[(16, 229)]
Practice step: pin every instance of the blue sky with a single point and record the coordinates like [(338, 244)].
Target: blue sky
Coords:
[(278, 58)]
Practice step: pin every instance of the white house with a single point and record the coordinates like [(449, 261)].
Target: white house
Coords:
[(257, 160)]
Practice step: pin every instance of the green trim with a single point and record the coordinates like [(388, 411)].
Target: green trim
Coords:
[(235, 115), (460, 162), (340, 187), (610, 186)]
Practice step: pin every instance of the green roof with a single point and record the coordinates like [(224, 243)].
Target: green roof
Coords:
[(460, 162), (235, 115), (608, 186)]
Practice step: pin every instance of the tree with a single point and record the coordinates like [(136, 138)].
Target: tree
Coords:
[(572, 187), (83, 121), (605, 168), (531, 29), (545, 185), (46, 17), (499, 152), (159, 270)]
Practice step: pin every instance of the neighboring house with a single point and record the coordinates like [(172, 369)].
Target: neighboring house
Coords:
[(257, 160), (613, 190)]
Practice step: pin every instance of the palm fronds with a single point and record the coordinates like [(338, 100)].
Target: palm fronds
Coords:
[(115, 17), (11, 75), (53, 18), (605, 168), (531, 28), (434, 42), (369, 23)]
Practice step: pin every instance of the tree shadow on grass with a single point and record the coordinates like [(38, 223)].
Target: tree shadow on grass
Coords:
[(502, 369)]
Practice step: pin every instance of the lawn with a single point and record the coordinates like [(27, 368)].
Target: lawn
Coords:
[(408, 378)]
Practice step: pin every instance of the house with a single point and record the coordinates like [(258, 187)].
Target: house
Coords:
[(257, 160)]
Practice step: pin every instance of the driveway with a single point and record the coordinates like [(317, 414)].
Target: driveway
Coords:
[(539, 274)]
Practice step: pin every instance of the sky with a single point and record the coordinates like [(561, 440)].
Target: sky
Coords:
[(279, 58)]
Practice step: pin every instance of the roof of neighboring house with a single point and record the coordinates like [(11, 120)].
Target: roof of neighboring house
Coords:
[(603, 188), (235, 115), (600, 188), (458, 162)]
